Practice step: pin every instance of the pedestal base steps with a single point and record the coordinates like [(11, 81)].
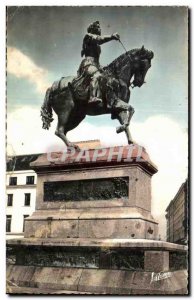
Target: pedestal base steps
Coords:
[(42, 280), (99, 266)]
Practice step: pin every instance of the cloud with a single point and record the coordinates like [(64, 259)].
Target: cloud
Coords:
[(22, 66), (25, 134), (163, 138)]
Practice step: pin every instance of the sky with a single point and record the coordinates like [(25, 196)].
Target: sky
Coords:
[(44, 43)]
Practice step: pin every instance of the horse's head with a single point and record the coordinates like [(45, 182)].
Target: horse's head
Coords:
[(141, 60), (134, 63)]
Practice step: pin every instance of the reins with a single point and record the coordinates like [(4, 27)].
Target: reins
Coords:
[(126, 52)]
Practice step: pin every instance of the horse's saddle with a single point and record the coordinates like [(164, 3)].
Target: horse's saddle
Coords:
[(79, 86), (61, 84)]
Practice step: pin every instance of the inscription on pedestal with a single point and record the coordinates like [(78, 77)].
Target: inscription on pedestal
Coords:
[(92, 189)]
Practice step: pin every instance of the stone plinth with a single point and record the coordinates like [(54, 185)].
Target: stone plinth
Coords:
[(99, 193)]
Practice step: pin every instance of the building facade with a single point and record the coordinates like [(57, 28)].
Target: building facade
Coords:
[(177, 216), (20, 192)]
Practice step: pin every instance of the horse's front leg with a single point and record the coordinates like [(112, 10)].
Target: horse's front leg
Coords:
[(124, 91), (124, 118)]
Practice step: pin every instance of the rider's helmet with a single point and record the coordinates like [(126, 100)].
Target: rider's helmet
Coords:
[(94, 28)]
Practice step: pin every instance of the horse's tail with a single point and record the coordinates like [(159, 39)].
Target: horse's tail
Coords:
[(46, 111)]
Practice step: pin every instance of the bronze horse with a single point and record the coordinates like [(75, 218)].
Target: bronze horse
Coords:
[(71, 105)]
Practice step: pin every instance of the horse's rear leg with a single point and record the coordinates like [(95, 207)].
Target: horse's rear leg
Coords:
[(61, 130)]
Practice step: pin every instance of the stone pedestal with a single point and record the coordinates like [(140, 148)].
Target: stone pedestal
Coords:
[(94, 196), (92, 230)]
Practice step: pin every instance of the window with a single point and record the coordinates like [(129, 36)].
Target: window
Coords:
[(12, 180), (25, 216), (27, 200), (8, 223), (9, 199), (29, 179)]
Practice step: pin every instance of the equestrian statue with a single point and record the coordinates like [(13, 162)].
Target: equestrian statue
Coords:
[(96, 90)]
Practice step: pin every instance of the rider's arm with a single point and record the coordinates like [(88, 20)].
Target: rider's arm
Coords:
[(104, 39)]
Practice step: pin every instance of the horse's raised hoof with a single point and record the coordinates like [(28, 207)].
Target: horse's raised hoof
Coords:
[(120, 128)]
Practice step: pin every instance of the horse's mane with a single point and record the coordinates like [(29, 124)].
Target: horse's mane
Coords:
[(117, 61), (129, 54)]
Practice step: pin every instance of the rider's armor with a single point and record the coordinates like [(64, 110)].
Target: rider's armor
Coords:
[(91, 46), (90, 64)]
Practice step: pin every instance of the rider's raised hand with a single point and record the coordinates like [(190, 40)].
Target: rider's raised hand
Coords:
[(116, 36)]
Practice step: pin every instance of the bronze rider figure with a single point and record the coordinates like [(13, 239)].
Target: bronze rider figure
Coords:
[(90, 64)]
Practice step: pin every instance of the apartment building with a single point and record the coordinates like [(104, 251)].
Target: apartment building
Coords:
[(177, 216), (21, 192)]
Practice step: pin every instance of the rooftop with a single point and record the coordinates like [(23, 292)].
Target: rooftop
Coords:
[(22, 162), (182, 187)]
